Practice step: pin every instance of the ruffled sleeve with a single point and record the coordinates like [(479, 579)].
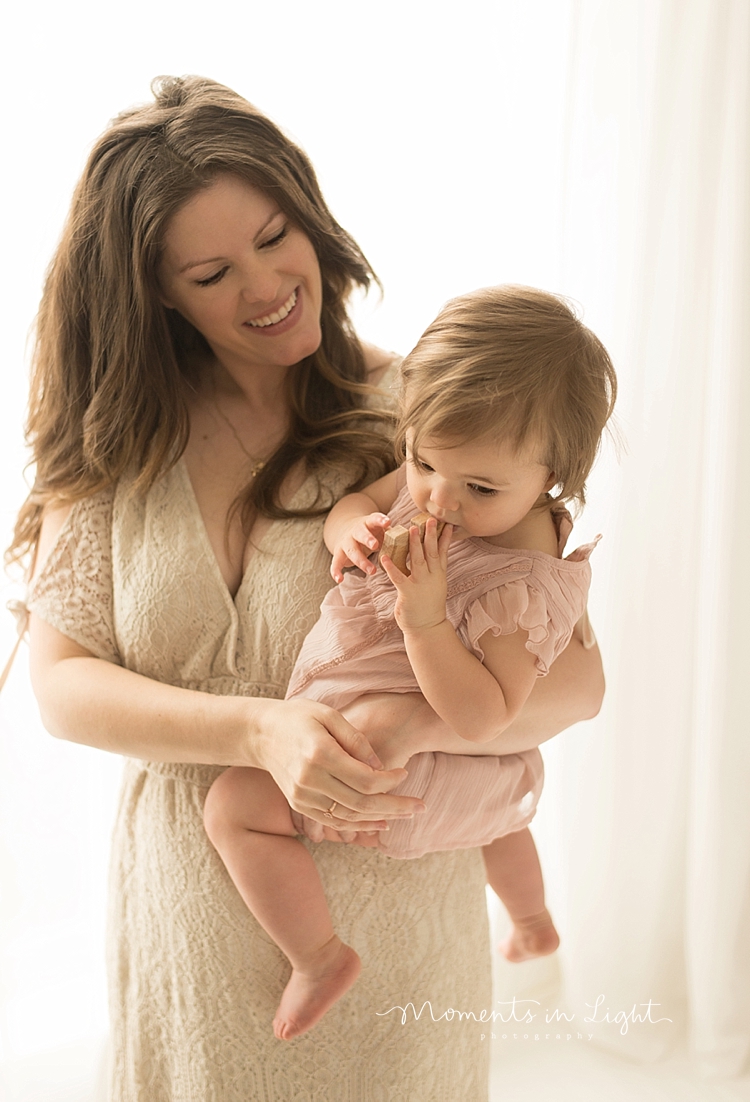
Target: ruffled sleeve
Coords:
[(73, 591), (546, 604)]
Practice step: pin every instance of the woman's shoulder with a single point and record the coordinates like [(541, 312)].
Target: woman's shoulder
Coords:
[(66, 522), (379, 364)]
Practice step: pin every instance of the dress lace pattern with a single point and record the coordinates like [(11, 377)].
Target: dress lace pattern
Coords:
[(194, 981)]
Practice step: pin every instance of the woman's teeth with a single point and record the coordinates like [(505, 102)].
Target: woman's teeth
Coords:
[(281, 313)]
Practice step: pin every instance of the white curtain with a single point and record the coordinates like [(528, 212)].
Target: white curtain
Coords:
[(647, 814), (599, 148)]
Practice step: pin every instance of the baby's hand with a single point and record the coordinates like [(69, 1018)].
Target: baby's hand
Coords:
[(363, 536), (421, 596)]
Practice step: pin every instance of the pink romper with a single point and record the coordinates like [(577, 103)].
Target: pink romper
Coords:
[(357, 647)]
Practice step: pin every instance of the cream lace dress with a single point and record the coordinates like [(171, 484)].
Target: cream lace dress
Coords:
[(194, 980)]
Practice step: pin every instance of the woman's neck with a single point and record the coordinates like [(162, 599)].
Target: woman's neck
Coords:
[(260, 390)]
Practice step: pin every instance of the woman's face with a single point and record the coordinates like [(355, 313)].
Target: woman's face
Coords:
[(245, 276)]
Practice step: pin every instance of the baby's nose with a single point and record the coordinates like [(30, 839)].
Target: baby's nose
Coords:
[(441, 501)]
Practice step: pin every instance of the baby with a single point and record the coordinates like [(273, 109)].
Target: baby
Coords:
[(503, 399)]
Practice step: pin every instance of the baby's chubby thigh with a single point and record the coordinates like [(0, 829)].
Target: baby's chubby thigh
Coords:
[(243, 798), (395, 724)]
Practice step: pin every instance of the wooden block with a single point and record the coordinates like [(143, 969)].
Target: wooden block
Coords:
[(396, 539), (396, 545), (420, 520)]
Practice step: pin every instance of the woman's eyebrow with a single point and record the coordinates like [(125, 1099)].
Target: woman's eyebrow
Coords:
[(197, 263), (214, 259)]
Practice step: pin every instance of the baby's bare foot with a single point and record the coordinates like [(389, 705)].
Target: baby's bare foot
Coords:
[(530, 937), (313, 990)]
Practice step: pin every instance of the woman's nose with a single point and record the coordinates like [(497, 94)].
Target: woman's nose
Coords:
[(260, 285)]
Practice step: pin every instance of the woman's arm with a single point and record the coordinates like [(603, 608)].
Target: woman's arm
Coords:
[(571, 692), (400, 725), (313, 754)]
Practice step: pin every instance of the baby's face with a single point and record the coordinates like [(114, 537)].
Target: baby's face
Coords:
[(482, 489)]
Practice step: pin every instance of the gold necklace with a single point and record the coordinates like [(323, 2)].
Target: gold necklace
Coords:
[(257, 464)]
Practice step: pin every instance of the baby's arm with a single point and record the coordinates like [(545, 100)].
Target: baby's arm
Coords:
[(354, 527), (477, 700)]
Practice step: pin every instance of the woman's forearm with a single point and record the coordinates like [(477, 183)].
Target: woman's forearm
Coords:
[(315, 756), (93, 702), (571, 692), (401, 725)]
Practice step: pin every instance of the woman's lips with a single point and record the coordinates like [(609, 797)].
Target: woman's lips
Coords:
[(280, 320)]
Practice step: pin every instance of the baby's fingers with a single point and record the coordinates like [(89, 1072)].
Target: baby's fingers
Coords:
[(393, 572), (369, 530), (444, 543), (416, 550), (431, 554), (376, 524), (339, 561)]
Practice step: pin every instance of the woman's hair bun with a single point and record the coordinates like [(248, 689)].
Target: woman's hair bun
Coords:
[(170, 91)]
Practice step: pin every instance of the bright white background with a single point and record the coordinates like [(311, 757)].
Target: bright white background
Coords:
[(598, 148)]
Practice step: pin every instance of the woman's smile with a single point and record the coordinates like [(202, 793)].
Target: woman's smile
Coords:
[(274, 317)]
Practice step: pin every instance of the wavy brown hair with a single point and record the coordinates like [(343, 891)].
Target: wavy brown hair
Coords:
[(111, 362), (511, 364)]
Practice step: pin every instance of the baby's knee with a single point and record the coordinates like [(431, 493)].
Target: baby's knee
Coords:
[(219, 808)]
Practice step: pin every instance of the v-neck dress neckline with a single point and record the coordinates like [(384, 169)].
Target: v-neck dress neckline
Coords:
[(231, 599)]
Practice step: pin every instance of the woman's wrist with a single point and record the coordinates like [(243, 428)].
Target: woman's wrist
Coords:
[(254, 723)]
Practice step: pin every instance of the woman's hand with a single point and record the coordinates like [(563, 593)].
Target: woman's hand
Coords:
[(357, 542), (318, 760)]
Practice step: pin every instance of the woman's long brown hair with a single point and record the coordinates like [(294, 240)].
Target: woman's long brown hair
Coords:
[(111, 362)]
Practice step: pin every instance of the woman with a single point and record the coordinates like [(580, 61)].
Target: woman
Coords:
[(199, 400)]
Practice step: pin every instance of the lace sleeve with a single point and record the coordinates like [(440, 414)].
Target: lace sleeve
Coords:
[(73, 591)]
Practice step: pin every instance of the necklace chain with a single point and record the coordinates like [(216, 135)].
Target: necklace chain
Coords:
[(257, 464)]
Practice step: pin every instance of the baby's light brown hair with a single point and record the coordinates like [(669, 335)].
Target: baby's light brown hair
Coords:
[(511, 364)]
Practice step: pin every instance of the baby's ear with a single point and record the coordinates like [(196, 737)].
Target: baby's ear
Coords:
[(551, 481)]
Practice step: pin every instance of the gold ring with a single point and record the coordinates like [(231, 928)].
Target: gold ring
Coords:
[(329, 814)]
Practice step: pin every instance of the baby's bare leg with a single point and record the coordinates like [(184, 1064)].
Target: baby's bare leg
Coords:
[(248, 820), (398, 726), (514, 873)]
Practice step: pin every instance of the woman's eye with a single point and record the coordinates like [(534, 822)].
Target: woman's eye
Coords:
[(212, 279), (276, 239), (482, 491)]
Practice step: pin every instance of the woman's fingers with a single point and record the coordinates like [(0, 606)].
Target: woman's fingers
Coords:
[(324, 772), (331, 801), (316, 832), (351, 740)]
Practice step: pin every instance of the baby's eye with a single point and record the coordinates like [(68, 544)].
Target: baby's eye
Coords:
[(482, 491), (212, 279), (420, 464)]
